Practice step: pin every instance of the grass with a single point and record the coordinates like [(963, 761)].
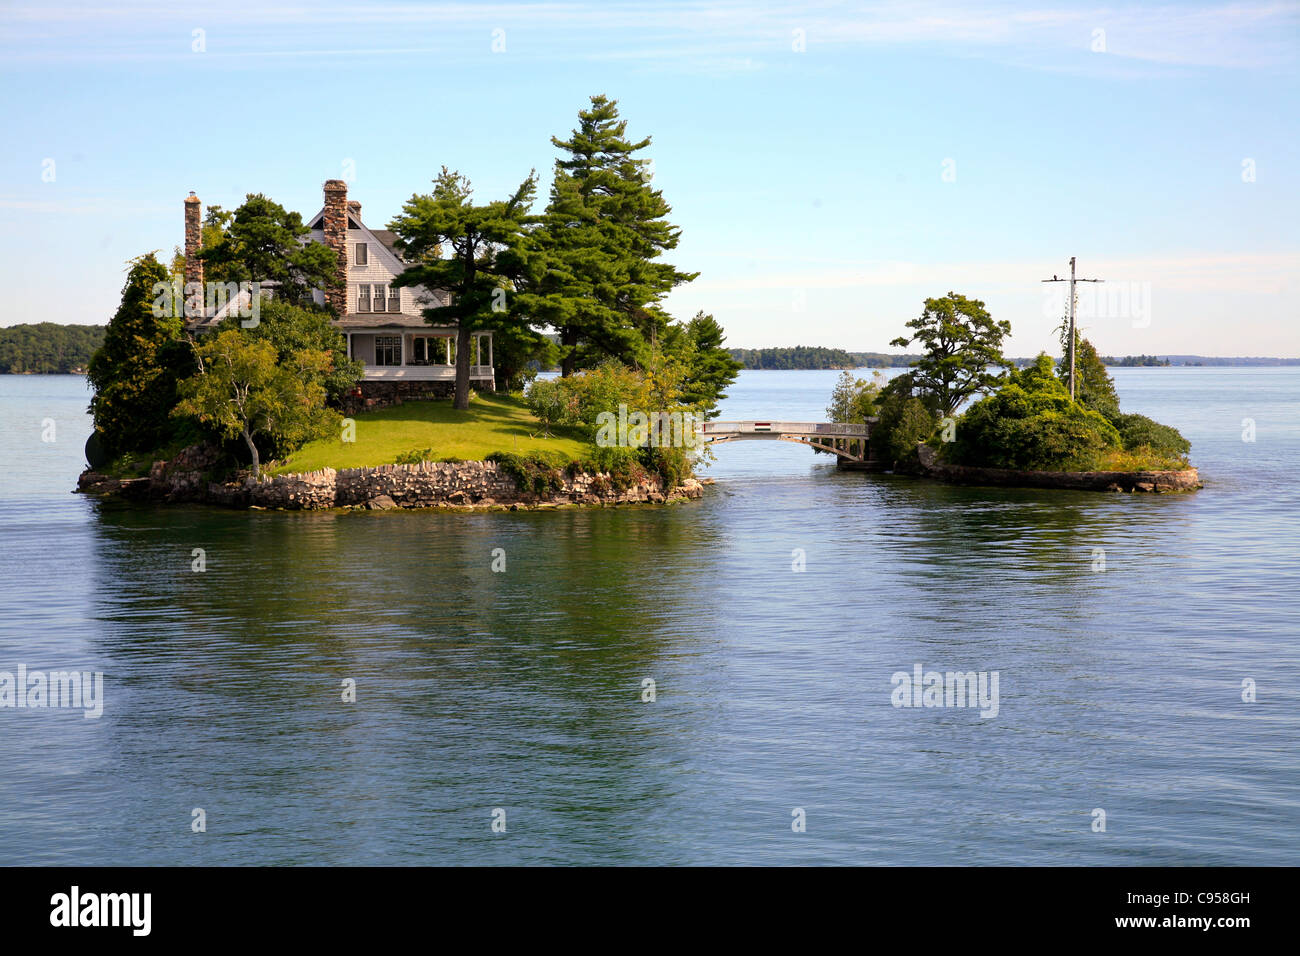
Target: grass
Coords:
[(494, 422), (1139, 459)]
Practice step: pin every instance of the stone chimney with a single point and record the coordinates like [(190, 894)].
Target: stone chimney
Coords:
[(193, 239), (335, 225), (354, 207)]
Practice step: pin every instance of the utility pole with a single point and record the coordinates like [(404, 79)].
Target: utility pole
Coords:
[(1073, 298)]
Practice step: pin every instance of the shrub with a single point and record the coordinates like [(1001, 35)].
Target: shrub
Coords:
[(904, 420), (1030, 423), (536, 473), (552, 402), (1138, 432), (624, 470), (415, 456)]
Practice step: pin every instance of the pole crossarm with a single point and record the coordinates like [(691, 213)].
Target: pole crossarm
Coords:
[(1073, 302)]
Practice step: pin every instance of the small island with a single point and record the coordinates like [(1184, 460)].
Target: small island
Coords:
[(1045, 425), (290, 362)]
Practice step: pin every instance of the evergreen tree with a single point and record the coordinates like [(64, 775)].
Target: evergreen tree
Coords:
[(134, 373), (473, 252), (259, 242), (594, 275), (1093, 386), (708, 367)]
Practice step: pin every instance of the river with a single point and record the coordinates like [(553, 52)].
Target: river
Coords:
[(519, 696)]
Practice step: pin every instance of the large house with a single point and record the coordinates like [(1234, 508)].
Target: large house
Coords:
[(403, 353)]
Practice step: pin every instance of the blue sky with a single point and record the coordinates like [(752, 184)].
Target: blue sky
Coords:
[(831, 165)]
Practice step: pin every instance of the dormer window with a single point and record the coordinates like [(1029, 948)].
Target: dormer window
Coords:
[(362, 256)]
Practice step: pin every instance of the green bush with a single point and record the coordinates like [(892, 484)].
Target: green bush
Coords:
[(1030, 423), (415, 456), (624, 470), (1139, 432), (580, 399), (537, 473), (904, 420)]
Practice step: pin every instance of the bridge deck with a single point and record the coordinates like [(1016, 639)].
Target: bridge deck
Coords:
[(847, 441)]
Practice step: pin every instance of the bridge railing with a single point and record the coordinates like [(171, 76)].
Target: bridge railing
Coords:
[(824, 429)]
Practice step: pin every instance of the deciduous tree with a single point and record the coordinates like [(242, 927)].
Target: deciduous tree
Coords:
[(962, 344), (244, 389)]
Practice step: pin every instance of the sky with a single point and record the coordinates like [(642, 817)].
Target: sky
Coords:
[(830, 165)]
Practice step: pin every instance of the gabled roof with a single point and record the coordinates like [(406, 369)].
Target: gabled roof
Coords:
[(388, 238), (385, 237)]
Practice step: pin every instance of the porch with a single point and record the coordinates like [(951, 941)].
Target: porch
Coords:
[(399, 354)]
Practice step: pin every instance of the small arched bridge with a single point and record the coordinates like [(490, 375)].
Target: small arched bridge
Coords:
[(849, 442)]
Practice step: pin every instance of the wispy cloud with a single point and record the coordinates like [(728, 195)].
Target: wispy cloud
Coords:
[(725, 35), (1270, 273)]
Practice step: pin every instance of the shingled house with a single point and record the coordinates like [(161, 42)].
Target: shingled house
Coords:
[(403, 354)]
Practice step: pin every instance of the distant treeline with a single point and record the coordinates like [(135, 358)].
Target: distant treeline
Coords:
[(47, 348), (817, 357), (1130, 361)]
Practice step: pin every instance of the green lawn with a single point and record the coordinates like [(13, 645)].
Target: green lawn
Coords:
[(494, 422)]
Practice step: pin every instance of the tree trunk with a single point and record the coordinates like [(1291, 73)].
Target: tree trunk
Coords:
[(463, 341), (568, 338), (252, 450)]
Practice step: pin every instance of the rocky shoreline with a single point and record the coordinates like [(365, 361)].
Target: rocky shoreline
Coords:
[(456, 485), (1151, 482)]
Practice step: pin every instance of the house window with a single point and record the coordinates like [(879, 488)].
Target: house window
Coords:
[(363, 298), (363, 254), (388, 350), (379, 297), (394, 300)]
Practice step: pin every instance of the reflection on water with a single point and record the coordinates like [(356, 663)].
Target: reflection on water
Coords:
[(1119, 689)]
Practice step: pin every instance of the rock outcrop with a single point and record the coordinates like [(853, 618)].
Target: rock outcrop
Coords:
[(1187, 479)]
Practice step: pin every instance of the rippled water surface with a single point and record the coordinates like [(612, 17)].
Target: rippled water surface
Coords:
[(1119, 690)]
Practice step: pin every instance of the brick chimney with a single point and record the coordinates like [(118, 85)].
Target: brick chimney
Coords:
[(335, 223), (354, 207), (193, 239)]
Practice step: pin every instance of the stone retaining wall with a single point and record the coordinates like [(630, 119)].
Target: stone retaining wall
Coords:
[(459, 484)]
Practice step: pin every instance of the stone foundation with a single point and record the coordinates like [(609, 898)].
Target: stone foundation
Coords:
[(370, 396)]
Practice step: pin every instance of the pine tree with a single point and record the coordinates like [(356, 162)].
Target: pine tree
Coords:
[(709, 368), (259, 242), (476, 253), (594, 274), (1093, 386)]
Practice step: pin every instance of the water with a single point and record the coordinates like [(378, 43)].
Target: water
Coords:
[(1119, 690)]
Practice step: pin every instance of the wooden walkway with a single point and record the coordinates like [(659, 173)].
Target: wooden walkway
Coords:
[(849, 442)]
